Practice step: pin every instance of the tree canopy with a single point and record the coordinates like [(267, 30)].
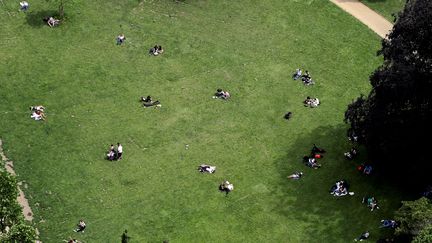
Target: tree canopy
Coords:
[(394, 119), (415, 219)]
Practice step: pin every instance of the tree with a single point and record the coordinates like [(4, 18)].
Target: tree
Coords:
[(415, 218), (424, 236), (10, 211), (12, 226), (21, 233), (394, 119), (61, 5)]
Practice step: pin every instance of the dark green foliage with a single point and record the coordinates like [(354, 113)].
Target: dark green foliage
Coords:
[(425, 235), (393, 120), (415, 218), (21, 233), (10, 213)]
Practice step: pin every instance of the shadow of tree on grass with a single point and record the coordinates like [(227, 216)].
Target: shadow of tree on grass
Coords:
[(35, 19), (307, 201)]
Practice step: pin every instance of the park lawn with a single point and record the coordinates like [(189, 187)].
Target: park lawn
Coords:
[(90, 88), (386, 7)]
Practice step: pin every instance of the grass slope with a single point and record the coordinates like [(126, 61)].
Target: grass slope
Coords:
[(91, 88)]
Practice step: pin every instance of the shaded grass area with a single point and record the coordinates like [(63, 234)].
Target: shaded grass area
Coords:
[(387, 8), (91, 89)]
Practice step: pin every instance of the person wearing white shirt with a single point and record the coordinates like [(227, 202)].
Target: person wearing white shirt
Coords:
[(24, 5), (119, 151)]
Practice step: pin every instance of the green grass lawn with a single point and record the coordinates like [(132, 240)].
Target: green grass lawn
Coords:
[(386, 7), (90, 88)]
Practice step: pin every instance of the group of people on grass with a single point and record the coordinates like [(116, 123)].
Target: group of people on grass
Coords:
[(311, 102), (37, 113), (312, 160), (340, 188), (225, 186), (221, 94), (156, 50), (115, 153), (305, 78)]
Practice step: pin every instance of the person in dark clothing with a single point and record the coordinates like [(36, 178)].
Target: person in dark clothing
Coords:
[(124, 237)]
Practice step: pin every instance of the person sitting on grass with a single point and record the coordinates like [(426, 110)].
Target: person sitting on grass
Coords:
[(148, 102), (81, 226), (340, 188), (37, 108), (311, 102), (38, 115), (387, 223), (111, 153), (295, 176), (221, 94), (363, 236), (124, 237), (307, 79), (297, 74), (288, 115), (24, 5), (51, 21), (317, 152), (120, 39), (351, 154), (371, 202), (226, 187), (207, 169), (311, 162), (156, 50)]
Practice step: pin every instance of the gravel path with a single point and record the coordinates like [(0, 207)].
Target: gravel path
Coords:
[(367, 16)]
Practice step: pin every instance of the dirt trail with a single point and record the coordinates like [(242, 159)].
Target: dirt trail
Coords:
[(22, 200), (367, 16)]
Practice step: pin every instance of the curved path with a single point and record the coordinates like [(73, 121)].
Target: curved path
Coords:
[(367, 16)]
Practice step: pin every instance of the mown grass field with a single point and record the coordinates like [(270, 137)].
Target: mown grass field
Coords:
[(386, 7), (90, 88)]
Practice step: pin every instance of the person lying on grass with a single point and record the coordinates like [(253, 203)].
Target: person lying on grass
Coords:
[(221, 94), (148, 102), (51, 21), (311, 102), (311, 162), (363, 236), (388, 223), (81, 226), (365, 169), (295, 176), (226, 187), (207, 169)]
